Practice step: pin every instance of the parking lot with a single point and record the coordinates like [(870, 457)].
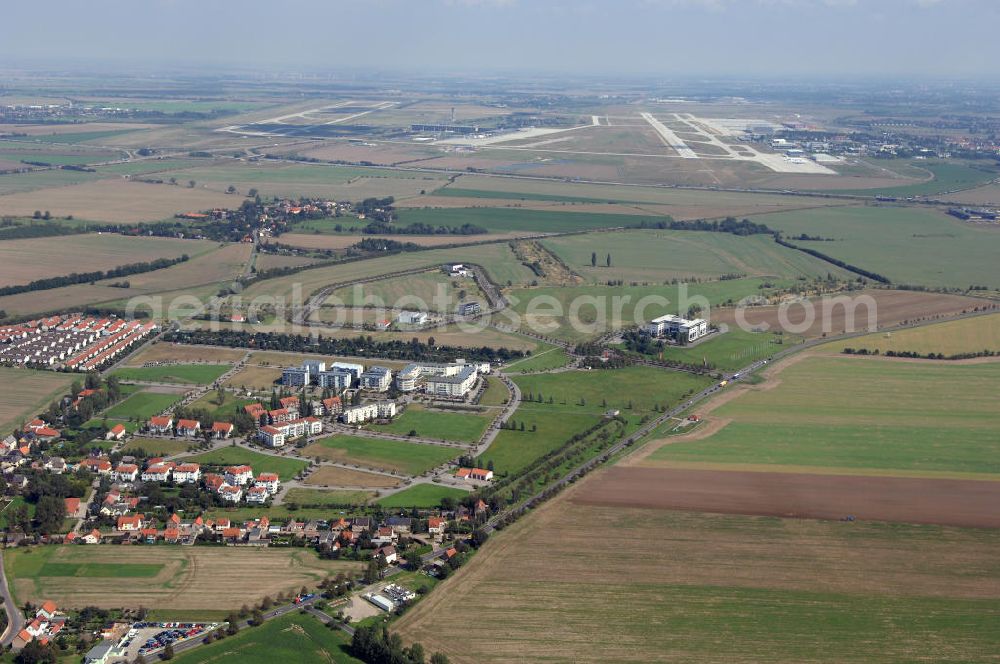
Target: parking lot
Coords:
[(146, 638)]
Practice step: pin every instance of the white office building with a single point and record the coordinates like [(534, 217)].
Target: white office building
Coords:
[(680, 329), (454, 385)]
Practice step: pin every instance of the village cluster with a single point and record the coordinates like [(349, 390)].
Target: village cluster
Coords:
[(74, 342)]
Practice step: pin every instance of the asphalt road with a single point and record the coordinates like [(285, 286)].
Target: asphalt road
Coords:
[(15, 619)]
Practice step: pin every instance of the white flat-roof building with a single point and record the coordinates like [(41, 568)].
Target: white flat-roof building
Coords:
[(681, 329), (412, 318), (356, 369), (453, 385), (359, 414), (377, 379)]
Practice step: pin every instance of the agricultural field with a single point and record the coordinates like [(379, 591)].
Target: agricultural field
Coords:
[(544, 358), (292, 638), (421, 496), (943, 177), (326, 498), (799, 592), (967, 335), (642, 387), (286, 468), (432, 292), (142, 405), (387, 455), (658, 256), (106, 200), (26, 392), (907, 245), (832, 314), (437, 424), (297, 180), (336, 476), (579, 313), (170, 578), (188, 374), (804, 419), (325, 240), (38, 258), (505, 220)]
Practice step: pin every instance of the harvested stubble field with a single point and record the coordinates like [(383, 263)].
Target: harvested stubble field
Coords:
[(272, 261), (198, 374), (336, 476), (116, 201), (679, 586), (171, 352), (964, 503), (891, 307), (182, 578), (388, 455), (25, 392), (430, 291), (38, 258), (966, 335)]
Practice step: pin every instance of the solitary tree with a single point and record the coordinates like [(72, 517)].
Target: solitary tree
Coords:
[(593, 259), (609, 260)]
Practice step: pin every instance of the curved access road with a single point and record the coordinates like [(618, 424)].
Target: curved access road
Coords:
[(15, 619)]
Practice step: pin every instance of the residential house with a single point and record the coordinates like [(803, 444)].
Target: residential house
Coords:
[(131, 523), (188, 427), (359, 414), (269, 481), (332, 407), (56, 465), (126, 472), (280, 416), (436, 525), (272, 436), (399, 524), (159, 472), (93, 537), (117, 432), (384, 535), (232, 494), (162, 424), (72, 506), (361, 523), (257, 494), (239, 475), (255, 410), (387, 552), (214, 482), (291, 404), (222, 430), (479, 474), (187, 473)]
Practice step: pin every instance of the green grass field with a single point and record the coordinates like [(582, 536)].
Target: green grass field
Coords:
[(261, 463), (322, 498), (601, 390), (466, 428), (141, 405), (406, 458), (496, 393), (907, 245), (291, 638), (578, 313), (502, 220), (861, 415), (187, 374), (37, 562), (546, 357), (79, 136), (731, 350), (656, 256), (432, 291), (948, 176), (421, 496)]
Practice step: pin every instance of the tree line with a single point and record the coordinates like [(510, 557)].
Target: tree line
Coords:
[(87, 277), (360, 346), (874, 276), (420, 228)]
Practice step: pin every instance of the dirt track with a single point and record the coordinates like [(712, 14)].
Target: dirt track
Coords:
[(944, 502)]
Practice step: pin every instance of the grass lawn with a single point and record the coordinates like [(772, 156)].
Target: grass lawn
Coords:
[(601, 390), (9, 506), (291, 638), (948, 176), (858, 414), (261, 463), (437, 424), (391, 455), (141, 405), (496, 393), (546, 357), (907, 245), (159, 446), (196, 374), (732, 350), (37, 562), (421, 495)]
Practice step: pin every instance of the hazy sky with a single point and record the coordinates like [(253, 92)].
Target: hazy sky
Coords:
[(937, 38)]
